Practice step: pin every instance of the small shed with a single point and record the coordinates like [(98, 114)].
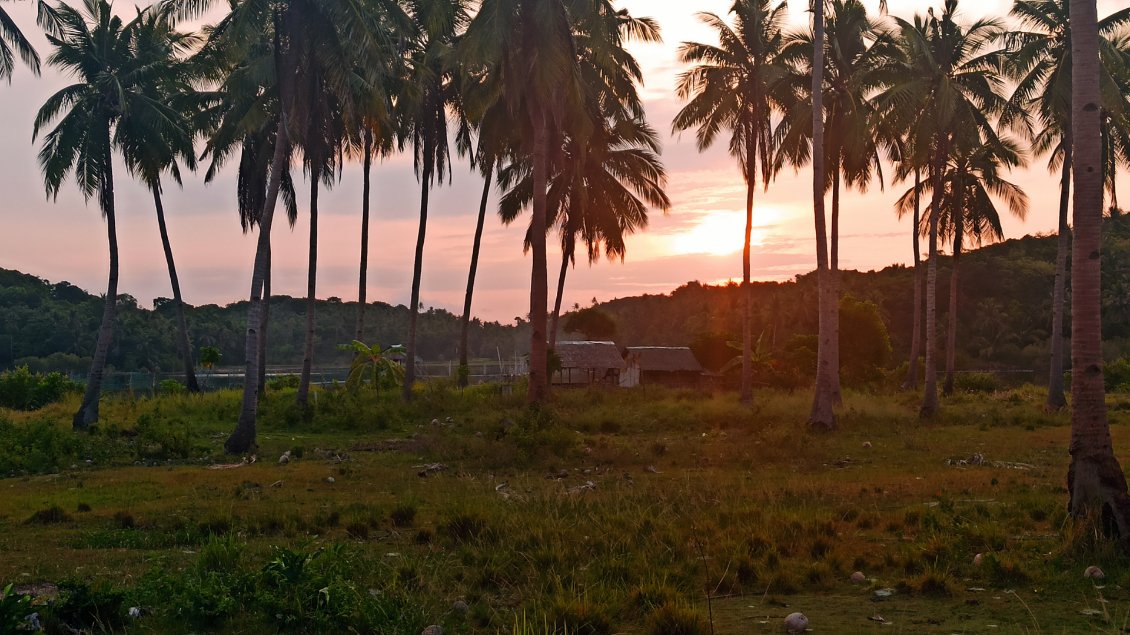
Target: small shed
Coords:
[(584, 363), (666, 365)]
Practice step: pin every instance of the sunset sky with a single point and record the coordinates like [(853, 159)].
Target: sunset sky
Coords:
[(700, 239)]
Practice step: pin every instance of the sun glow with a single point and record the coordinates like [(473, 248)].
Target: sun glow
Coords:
[(722, 233)]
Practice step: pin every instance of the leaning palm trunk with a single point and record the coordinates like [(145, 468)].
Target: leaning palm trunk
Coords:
[(566, 256), (183, 344), (539, 287), (262, 380), (303, 397), (362, 281), (951, 329), (1056, 399), (823, 414), (911, 380), (1095, 481), (417, 271), (930, 393), (747, 301), (471, 272), (242, 438), (87, 414)]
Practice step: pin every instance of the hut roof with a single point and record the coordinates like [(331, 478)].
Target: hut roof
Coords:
[(589, 355), (666, 358)]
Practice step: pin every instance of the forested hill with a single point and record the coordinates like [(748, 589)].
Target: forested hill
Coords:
[(1004, 311), (53, 326), (1004, 305)]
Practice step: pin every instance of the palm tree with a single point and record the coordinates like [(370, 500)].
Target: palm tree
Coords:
[(147, 155), (737, 85), (374, 140), (430, 90), (1040, 63), (943, 84), (595, 192), (114, 82), (12, 38), (530, 45), (971, 179), (1095, 482)]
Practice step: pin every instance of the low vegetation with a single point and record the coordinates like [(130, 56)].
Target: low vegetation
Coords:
[(645, 511)]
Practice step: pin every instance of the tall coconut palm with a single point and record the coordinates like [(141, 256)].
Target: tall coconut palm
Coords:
[(430, 91), (945, 83), (148, 156), (375, 140), (737, 85), (1095, 482), (113, 81), (530, 45), (599, 192), (14, 44), (971, 179), (1040, 62)]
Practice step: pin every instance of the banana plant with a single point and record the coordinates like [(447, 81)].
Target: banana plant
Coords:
[(372, 364)]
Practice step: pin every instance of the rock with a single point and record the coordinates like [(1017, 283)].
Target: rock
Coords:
[(434, 629), (135, 612), (285, 458), (1094, 573), (796, 623), (331, 480), (867, 444), (858, 578), (977, 559), (459, 606)]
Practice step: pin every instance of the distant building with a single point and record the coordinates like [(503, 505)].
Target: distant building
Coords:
[(585, 363), (665, 365)]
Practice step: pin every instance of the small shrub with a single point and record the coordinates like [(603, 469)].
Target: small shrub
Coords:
[(50, 516), (977, 382), (124, 520), (21, 389), (466, 528), (672, 619), (403, 515), (14, 609), (171, 387), (86, 608), (581, 618)]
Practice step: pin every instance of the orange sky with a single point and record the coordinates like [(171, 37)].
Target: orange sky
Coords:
[(700, 239)]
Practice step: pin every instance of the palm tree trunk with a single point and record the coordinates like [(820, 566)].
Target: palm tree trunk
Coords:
[(261, 383), (823, 414), (242, 439), (1095, 481), (1056, 398), (303, 397), (930, 393), (746, 396), (87, 414), (566, 255), (951, 330), (183, 344), (834, 275), (466, 320), (539, 290), (417, 271), (362, 278), (911, 380)]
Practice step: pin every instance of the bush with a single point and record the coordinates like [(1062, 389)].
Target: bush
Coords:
[(44, 447), (14, 609), (976, 382), (21, 389), (171, 387)]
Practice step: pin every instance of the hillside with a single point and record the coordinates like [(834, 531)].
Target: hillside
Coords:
[(1004, 316)]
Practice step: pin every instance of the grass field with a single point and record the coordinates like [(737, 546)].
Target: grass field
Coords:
[(649, 511)]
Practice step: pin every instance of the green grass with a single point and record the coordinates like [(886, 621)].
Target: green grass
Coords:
[(651, 511)]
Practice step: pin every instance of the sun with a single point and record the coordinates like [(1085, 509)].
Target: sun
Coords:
[(721, 233)]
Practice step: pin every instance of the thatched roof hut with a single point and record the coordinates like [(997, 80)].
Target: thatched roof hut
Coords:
[(588, 363), (671, 365)]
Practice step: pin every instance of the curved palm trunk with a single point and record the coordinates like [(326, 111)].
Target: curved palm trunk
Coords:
[(1095, 481), (747, 301), (242, 439), (566, 256), (417, 271), (303, 397), (1056, 398), (930, 393), (834, 269), (465, 322), (911, 380), (823, 414), (87, 414), (262, 379), (183, 344), (951, 329), (539, 290), (362, 280)]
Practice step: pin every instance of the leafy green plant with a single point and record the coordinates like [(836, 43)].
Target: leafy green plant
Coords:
[(14, 609), (210, 356), (21, 389), (373, 365)]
